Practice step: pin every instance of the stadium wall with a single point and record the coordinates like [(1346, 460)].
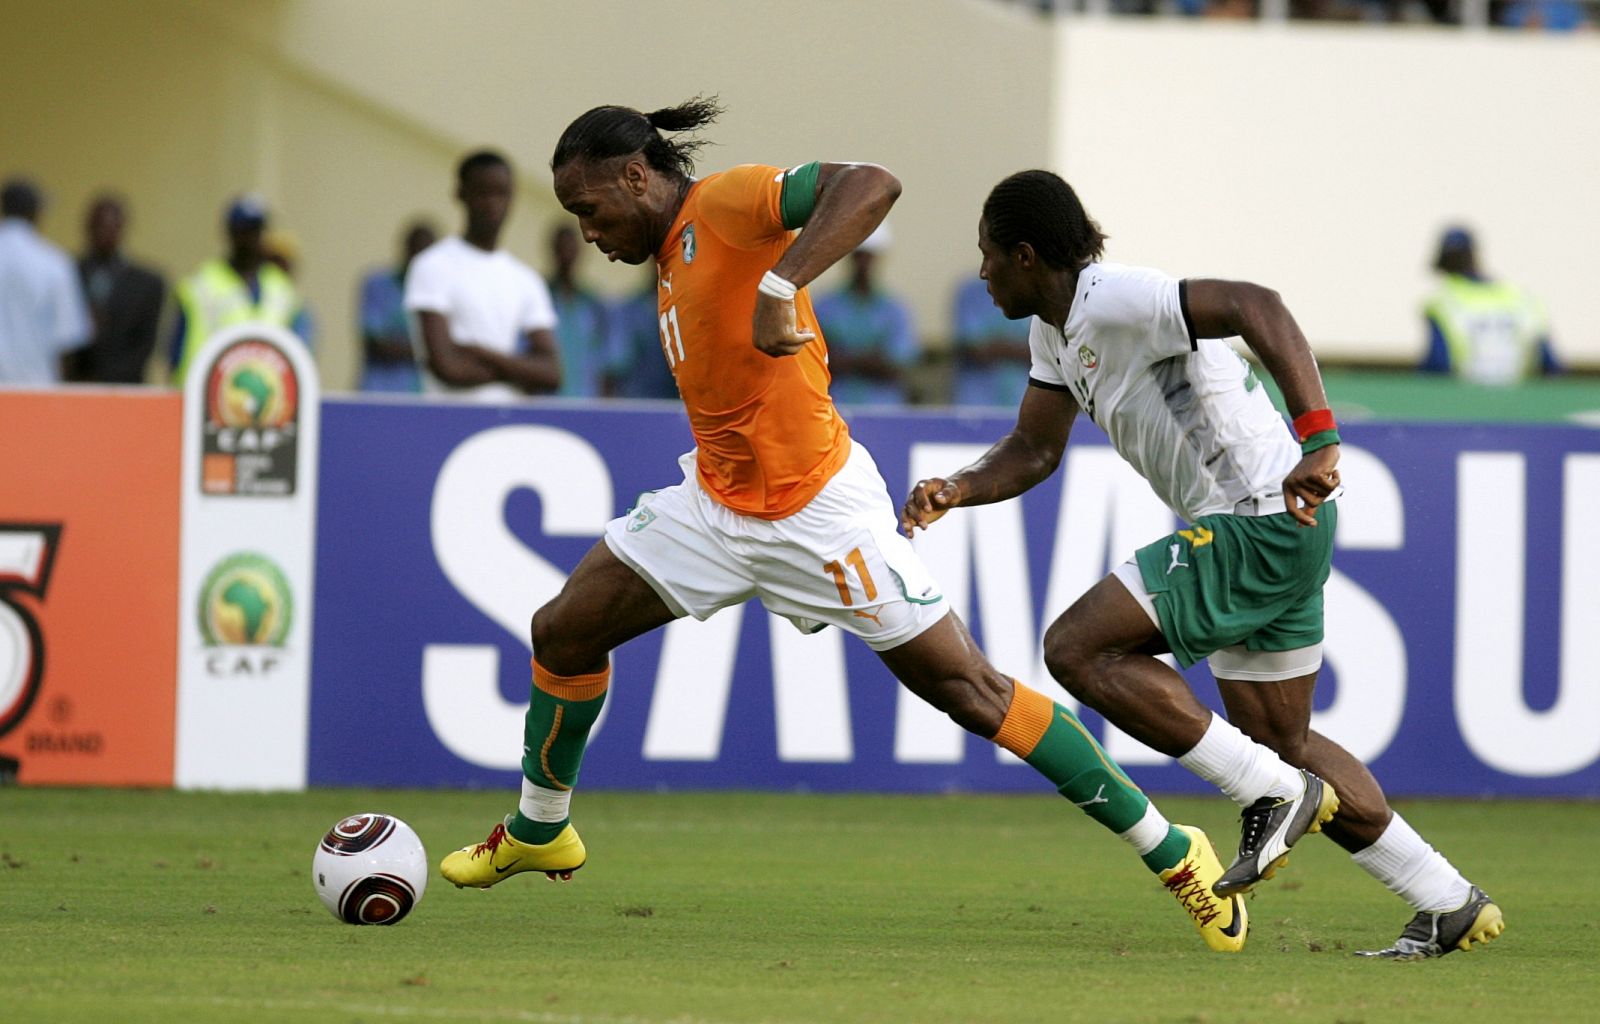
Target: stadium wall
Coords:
[(1458, 612), (1319, 159), (1325, 160)]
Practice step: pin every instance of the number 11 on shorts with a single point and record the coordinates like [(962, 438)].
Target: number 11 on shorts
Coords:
[(859, 564)]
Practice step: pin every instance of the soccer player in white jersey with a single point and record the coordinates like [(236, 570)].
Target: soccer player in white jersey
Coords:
[(1141, 353)]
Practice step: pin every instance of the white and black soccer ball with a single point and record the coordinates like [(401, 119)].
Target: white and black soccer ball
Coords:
[(370, 869)]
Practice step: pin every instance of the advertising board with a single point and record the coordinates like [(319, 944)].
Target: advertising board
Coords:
[(1456, 611)]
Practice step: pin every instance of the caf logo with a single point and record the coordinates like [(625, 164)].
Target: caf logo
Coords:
[(250, 438), (252, 384), (245, 602)]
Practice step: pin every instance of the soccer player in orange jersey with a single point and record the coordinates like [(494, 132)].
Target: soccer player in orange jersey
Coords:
[(777, 502)]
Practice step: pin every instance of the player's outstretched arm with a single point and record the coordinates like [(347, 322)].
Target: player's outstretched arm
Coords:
[(1222, 309), (851, 201), (1018, 461)]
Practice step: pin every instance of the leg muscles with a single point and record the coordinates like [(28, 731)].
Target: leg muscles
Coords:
[(603, 605), (944, 667), (1102, 650), (1278, 715)]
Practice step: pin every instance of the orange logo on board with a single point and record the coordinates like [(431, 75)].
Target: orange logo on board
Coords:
[(252, 415)]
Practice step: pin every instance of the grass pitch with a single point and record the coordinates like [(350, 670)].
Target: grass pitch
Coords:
[(723, 908)]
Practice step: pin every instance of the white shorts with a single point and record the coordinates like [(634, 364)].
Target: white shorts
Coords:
[(1237, 662), (839, 561)]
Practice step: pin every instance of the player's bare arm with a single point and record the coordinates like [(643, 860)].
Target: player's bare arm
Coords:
[(852, 200), (1026, 456), (1222, 309)]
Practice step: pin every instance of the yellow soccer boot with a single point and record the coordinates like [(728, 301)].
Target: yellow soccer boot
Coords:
[(1221, 920), (500, 856)]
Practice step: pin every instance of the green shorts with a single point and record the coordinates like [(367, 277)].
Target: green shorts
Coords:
[(1250, 580)]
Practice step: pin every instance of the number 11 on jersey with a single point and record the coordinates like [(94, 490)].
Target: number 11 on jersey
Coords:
[(671, 337)]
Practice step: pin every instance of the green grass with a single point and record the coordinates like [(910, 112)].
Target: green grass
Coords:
[(722, 908)]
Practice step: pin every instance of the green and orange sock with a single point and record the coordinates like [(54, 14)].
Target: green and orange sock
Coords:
[(555, 732), (1052, 740)]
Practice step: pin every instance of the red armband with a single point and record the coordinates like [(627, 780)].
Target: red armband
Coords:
[(1313, 422)]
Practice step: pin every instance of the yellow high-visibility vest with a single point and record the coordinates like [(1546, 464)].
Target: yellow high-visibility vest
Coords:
[(1492, 329), (215, 296)]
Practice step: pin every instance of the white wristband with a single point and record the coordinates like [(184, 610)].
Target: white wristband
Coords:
[(777, 287)]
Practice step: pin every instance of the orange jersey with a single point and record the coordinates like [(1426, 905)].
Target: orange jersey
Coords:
[(768, 436)]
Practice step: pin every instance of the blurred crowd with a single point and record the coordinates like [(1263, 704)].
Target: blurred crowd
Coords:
[(1539, 15), (458, 314), (451, 313)]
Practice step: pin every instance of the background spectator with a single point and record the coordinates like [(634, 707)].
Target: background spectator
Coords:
[(580, 318), (1488, 332), (871, 344), (42, 312), (245, 287), (1546, 15), (635, 366), (389, 363), (991, 352), (282, 250), (485, 318), (124, 301)]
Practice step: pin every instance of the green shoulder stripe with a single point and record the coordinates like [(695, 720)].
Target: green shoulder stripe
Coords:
[(799, 195)]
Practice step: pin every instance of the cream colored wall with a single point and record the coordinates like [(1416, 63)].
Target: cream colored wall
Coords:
[(168, 104), (1197, 145), (1324, 160), (948, 94), (350, 114)]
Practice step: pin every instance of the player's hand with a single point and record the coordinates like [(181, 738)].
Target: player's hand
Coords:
[(774, 329), (1309, 484), (928, 502)]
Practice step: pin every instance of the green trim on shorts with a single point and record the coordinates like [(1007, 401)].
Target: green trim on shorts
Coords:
[(900, 583), (1250, 580)]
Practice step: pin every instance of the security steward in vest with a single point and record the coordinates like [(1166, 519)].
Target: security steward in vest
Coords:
[(1483, 331), (243, 288)]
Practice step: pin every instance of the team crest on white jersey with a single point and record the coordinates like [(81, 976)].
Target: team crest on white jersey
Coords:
[(688, 243), (1087, 357), (639, 518)]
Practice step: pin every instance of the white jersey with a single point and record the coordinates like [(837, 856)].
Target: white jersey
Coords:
[(488, 298), (1188, 414)]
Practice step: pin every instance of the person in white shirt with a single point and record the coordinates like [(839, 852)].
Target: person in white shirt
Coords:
[(1143, 355), (43, 315), (484, 322)]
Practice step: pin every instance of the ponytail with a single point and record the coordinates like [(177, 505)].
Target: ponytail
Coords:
[(611, 131)]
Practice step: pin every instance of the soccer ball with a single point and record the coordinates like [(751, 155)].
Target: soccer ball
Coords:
[(370, 869)]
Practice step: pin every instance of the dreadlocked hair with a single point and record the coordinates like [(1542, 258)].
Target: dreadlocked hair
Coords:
[(610, 131), (1039, 208)]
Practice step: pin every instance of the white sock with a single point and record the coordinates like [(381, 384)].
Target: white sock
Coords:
[(1239, 766), (540, 804), (1149, 832), (1413, 870)]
